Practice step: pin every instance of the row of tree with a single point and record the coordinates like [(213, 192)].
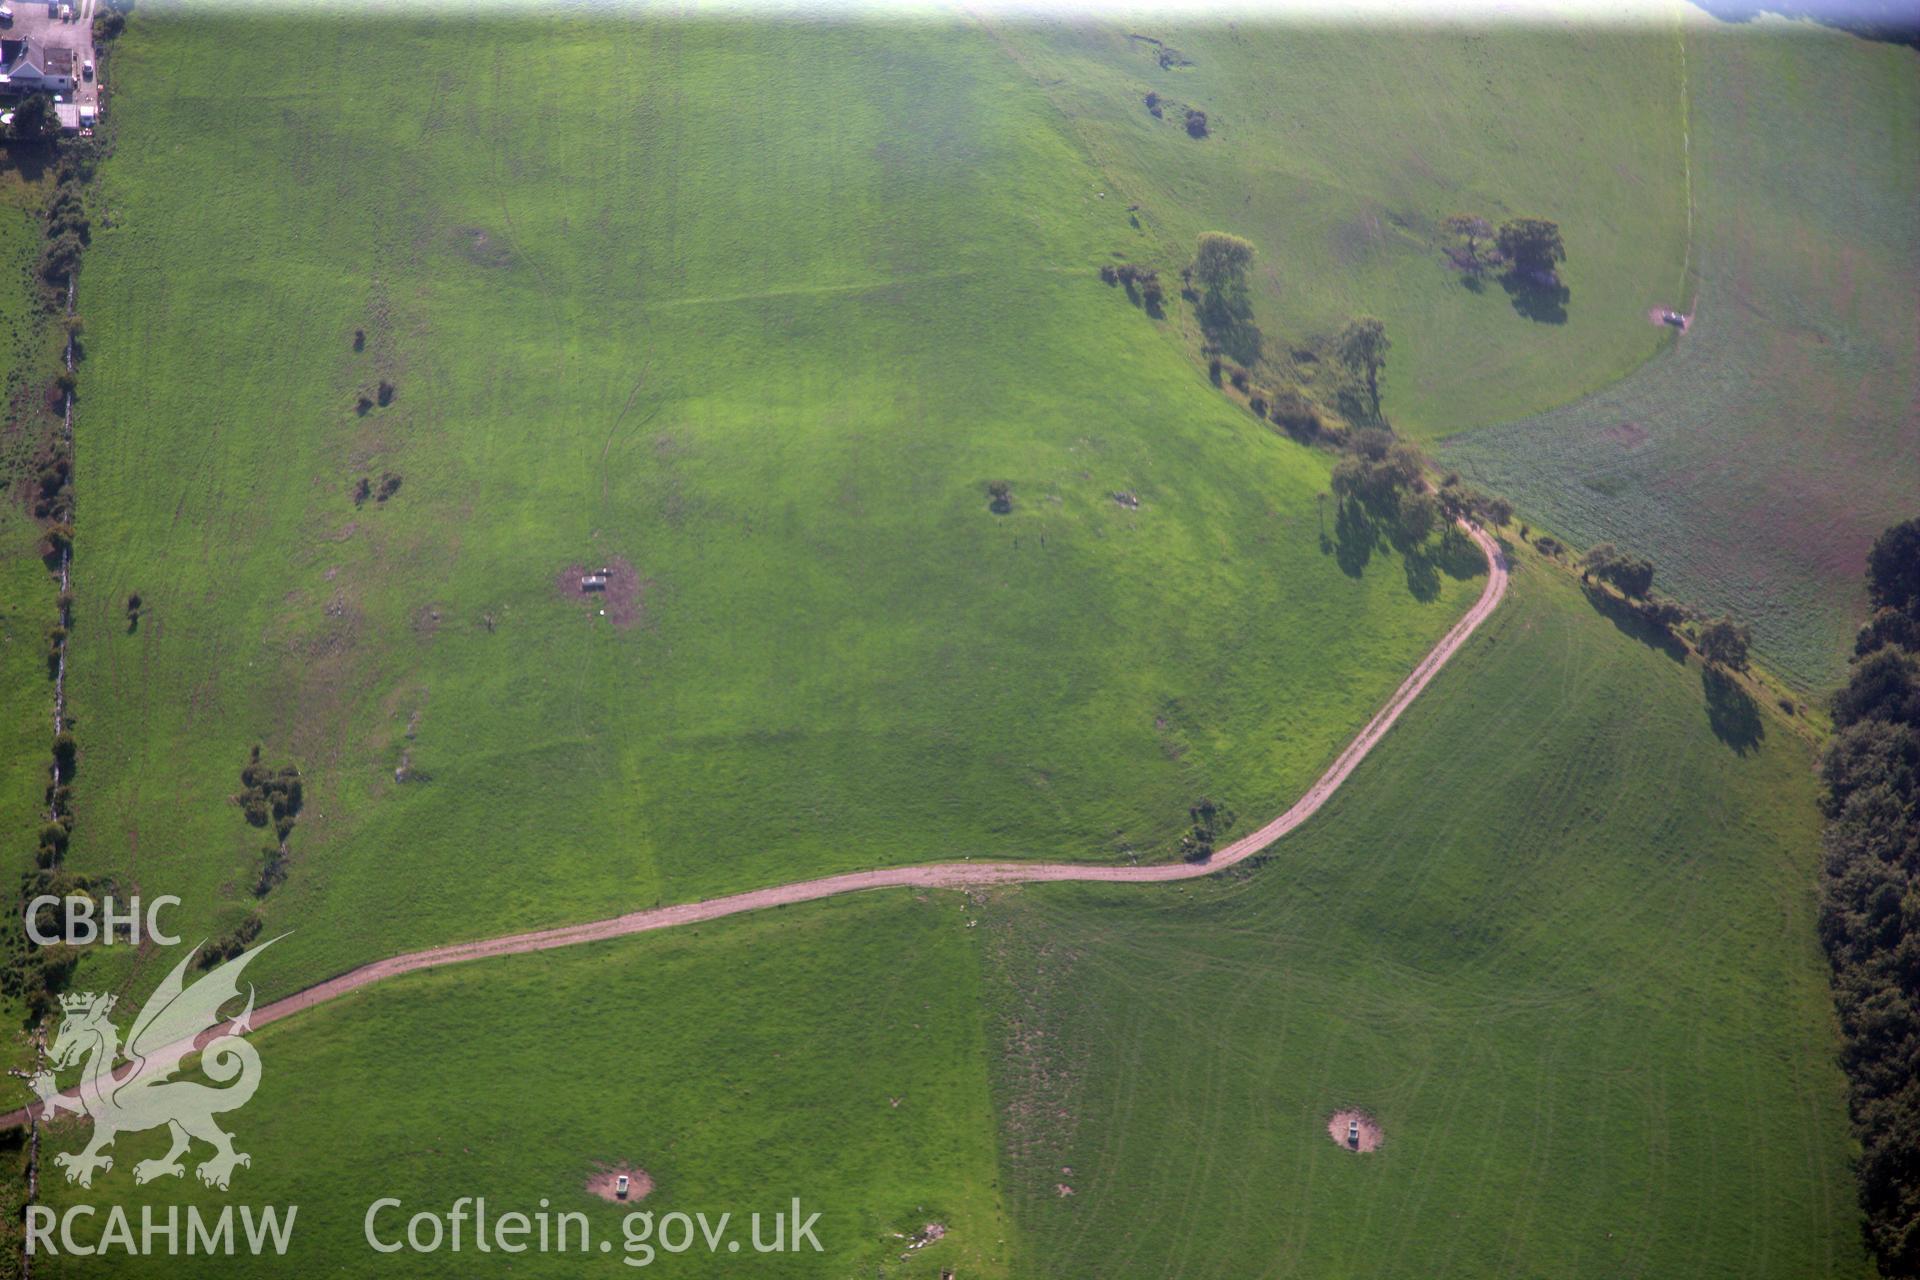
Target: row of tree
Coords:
[(1387, 477), (1141, 283), (37, 974), (66, 228), (1381, 473), (1219, 282), (1870, 900), (1722, 641)]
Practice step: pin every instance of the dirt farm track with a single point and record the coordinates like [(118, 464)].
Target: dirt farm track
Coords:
[(938, 875)]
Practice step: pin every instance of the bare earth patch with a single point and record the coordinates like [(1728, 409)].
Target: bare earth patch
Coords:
[(622, 596), (1626, 434), (1354, 1131), (480, 248), (605, 1182), (929, 1234)]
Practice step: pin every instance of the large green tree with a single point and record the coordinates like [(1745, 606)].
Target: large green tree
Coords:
[(1221, 261), (1632, 574), (1419, 516), (1893, 569), (1724, 643), (1225, 309), (1532, 244), (34, 119)]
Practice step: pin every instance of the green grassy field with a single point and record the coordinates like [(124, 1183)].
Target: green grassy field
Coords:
[(1339, 151), (1758, 459), (760, 309), (1556, 935), (835, 1052)]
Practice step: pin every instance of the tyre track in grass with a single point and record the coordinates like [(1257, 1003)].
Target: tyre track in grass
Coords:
[(936, 875)]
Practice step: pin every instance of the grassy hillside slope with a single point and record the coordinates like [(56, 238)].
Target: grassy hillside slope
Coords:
[(762, 312), (759, 310), (1756, 461), (1556, 935), (835, 1052), (1340, 151)]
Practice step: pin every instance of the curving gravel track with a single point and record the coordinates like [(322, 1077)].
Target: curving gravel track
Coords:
[(938, 875)]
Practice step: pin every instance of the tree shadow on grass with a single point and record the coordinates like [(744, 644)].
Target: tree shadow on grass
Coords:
[(1459, 558), (1732, 714), (1360, 529), (30, 160), (1541, 298), (1228, 324), (1624, 617), (1151, 303), (1454, 556), (1355, 535), (1423, 575)]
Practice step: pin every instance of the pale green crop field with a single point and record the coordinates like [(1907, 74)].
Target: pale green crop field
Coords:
[(1756, 461)]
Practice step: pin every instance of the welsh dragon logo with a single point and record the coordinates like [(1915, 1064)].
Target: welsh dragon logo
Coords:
[(163, 1035)]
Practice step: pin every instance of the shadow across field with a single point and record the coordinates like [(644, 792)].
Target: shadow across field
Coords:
[(1731, 712), (1360, 530), (1628, 620), (28, 161), (1541, 299), (1452, 556), (1228, 324), (1355, 535)]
